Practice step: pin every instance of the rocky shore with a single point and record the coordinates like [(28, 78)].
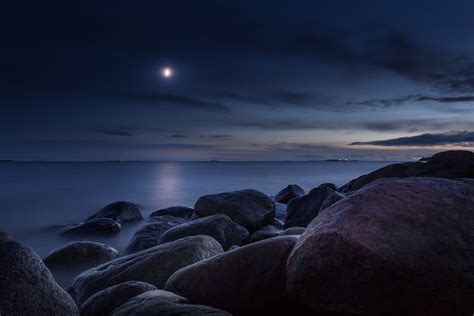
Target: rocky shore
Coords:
[(397, 241)]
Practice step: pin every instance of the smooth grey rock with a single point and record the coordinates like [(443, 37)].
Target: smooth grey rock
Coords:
[(290, 192), (149, 234), (265, 232), (84, 254), (181, 211), (301, 211), (163, 303), (26, 285), (246, 281), (220, 227), (293, 231), (104, 302), (93, 226), (394, 247), (249, 208), (120, 211), (153, 265)]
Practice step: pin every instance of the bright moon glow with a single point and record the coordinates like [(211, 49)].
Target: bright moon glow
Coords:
[(166, 72)]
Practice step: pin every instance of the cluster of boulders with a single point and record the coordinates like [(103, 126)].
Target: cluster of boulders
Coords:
[(398, 241)]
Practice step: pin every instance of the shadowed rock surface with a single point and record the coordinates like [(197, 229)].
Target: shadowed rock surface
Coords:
[(154, 265), (280, 211), (149, 234), (220, 227), (104, 302), (249, 208), (396, 247), (120, 211), (302, 210), (93, 226), (26, 285), (248, 280), (290, 192), (331, 199), (293, 231), (164, 303), (267, 231), (448, 164), (176, 211)]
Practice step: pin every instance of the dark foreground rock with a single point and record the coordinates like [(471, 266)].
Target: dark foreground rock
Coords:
[(220, 227), (120, 211), (164, 303), (176, 211), (396, 247), (449, 164), (290, 192), (83, 254), (93, 226), (331, 199), (150, 233), (104, 302), (293, 231), (153, 265), (248, 280), (249, 208), (302, 210), (26, 285)]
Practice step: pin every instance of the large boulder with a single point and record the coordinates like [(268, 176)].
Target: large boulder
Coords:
[(449, 164), (154, 265), (149, 234), (302, 210), (290, 192), (249, 208), (83, 254), (104, 302), (331, 199), (396, 247), (93, 226), (247, 281), (71, 259), (176, 211), (220, 227), (163, 303), (120, 211), (26, 285)]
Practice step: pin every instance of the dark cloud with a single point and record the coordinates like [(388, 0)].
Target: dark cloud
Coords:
[(114, 132), (461, 138), (414, 98), (176, 100)]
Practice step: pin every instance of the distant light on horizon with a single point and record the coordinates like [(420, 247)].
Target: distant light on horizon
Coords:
[(167, 72)]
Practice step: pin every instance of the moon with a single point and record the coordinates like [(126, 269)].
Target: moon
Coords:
[(167, 72)]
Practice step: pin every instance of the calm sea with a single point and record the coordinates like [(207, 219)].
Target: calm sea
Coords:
[(37, 197)]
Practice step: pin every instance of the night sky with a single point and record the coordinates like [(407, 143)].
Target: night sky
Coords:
[(252, 80)]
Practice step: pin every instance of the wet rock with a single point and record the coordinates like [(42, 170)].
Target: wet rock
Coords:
[(290, 192), (280, 211), (26, 285), (153, 265), (301, 211), (93, 226), (163, 303), (249, 208), (396, 247), (104, 302), (120, 211), (278, 223), (150, 233), (246, 281), (220, 227), (176, 211)]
